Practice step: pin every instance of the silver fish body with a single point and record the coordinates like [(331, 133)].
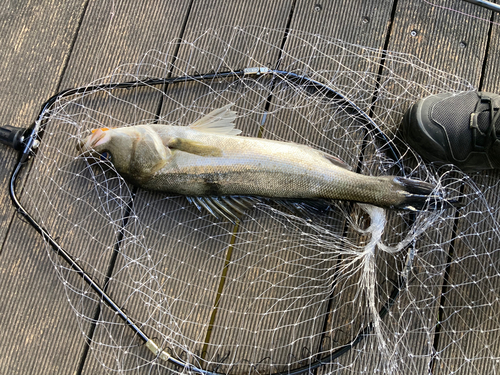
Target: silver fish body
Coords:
[(209, 159)]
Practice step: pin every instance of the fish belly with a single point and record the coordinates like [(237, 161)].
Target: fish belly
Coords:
[(263, 177)]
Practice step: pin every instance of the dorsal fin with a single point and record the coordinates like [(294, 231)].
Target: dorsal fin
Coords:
[(219, 121)]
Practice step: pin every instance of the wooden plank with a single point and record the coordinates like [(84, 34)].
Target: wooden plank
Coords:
[(213, 24), (82, 205), (30, 73), (275, 299), (185, 249), (343, 67), (82, 226), (352, 71), (121, 44), (433, 35), (468, 341), (36, 41), (468, 324), (213, 49), (39, 329)]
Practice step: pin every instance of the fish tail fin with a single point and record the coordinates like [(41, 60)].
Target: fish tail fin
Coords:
[(419, 195)]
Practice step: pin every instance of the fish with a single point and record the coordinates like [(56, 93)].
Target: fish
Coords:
[(217, 168)]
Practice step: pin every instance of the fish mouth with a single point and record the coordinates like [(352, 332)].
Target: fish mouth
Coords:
[(88, 144)]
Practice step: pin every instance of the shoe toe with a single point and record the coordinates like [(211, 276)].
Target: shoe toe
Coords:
[(452, 115), (438, 128), (423, 133)]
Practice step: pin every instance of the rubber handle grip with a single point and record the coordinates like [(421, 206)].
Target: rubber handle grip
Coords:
[(12, 136)]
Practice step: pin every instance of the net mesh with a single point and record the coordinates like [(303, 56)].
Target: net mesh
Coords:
[(278, 291)]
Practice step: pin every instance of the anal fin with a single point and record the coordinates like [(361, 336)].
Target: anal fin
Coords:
[(231, 208)]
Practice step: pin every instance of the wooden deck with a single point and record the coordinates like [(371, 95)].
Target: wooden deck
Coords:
[(50, 46)]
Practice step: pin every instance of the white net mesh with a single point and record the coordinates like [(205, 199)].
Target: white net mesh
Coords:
[(277, 292)]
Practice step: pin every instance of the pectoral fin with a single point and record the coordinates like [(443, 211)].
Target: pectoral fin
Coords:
[(193, 147), (219, 121), (334, 160)]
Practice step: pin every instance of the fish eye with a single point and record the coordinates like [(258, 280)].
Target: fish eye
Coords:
[(105, 155)]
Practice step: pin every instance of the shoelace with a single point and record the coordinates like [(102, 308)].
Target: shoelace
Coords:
[(483, 141)]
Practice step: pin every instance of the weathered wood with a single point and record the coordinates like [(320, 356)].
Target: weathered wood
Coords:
[(468, 320), (79, 228), (30, 74), (37, 322), (188, 254), (468, 340), (332, 53), (278, 283), (436, 36), (230, 42), (121, 44), (215, 275)]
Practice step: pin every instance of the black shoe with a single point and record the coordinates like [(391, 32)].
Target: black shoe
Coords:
[(460, 129)]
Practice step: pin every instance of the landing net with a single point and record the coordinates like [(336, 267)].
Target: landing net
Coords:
[(278, 292)]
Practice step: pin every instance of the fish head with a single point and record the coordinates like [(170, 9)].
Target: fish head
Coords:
[(136, 152)]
